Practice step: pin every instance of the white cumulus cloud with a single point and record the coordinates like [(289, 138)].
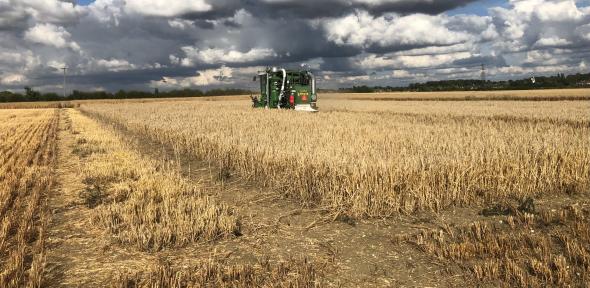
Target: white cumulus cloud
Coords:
[(115, 65), (167, 8), (219, 56), (51, 35), (364, 30), (12, 79), (208, 77)]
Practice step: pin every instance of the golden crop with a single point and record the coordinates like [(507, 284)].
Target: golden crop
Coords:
[(211, 273), (37, 105), (27, 153), (507, 95), (137, 202), (526, 250), (575, 113), (378, 164), (356, 158)]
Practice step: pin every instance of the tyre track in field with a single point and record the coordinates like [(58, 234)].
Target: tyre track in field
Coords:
[(355, 251)]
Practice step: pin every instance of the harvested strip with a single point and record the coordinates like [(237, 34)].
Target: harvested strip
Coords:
[(138, 201)]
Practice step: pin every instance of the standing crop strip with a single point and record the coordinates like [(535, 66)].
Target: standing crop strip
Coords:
[(27, 153), (374, 164)]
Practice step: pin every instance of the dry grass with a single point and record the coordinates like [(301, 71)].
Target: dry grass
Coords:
[(291, 273), (551, 248), (27, 153), (140, 202), (374, 164)]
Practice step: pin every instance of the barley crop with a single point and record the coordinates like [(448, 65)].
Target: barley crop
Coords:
[(27, 158), (573, 113), (373, 164), (514, 95), (38, 105), (139, 201), (550, 248)]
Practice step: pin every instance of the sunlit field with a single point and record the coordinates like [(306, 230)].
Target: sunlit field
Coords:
[(467, 190), (383, 161), (27, 158)]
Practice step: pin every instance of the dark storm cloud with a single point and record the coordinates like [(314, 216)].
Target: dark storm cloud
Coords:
[(363, 40), (12, 19), (380, 49), (302, 42), (427, 7), (338, 64), (336, 8), (220, 9), (115, 80), (495, 61), (309, 9)]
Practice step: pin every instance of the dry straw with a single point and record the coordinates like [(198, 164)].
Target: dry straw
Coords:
[(374, 164), (27, 156), (526, 250), (294, 273), (140, 204)]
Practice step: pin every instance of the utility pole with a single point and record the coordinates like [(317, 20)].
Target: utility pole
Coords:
[(65, 91)]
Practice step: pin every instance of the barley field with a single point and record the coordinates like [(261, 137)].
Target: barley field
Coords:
[(510, 95), (37, 105), (379, 164), (380, 190), (139, 204), (27, 154)]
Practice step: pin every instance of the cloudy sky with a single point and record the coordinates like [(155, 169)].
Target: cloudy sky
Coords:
[(133, 44)]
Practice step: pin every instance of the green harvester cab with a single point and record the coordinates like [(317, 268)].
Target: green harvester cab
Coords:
[(286, 89)]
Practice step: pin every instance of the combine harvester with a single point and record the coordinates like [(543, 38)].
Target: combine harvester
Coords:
[(286, 89)]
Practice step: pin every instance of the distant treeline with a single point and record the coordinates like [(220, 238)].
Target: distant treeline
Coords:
[(31, 95), (541, 82)]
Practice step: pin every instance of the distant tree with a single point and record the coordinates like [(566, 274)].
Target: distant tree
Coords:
[(560, 80), (362, 89), (31, 95)]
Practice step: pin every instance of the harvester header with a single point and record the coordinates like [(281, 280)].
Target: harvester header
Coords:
[(286, 89)]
